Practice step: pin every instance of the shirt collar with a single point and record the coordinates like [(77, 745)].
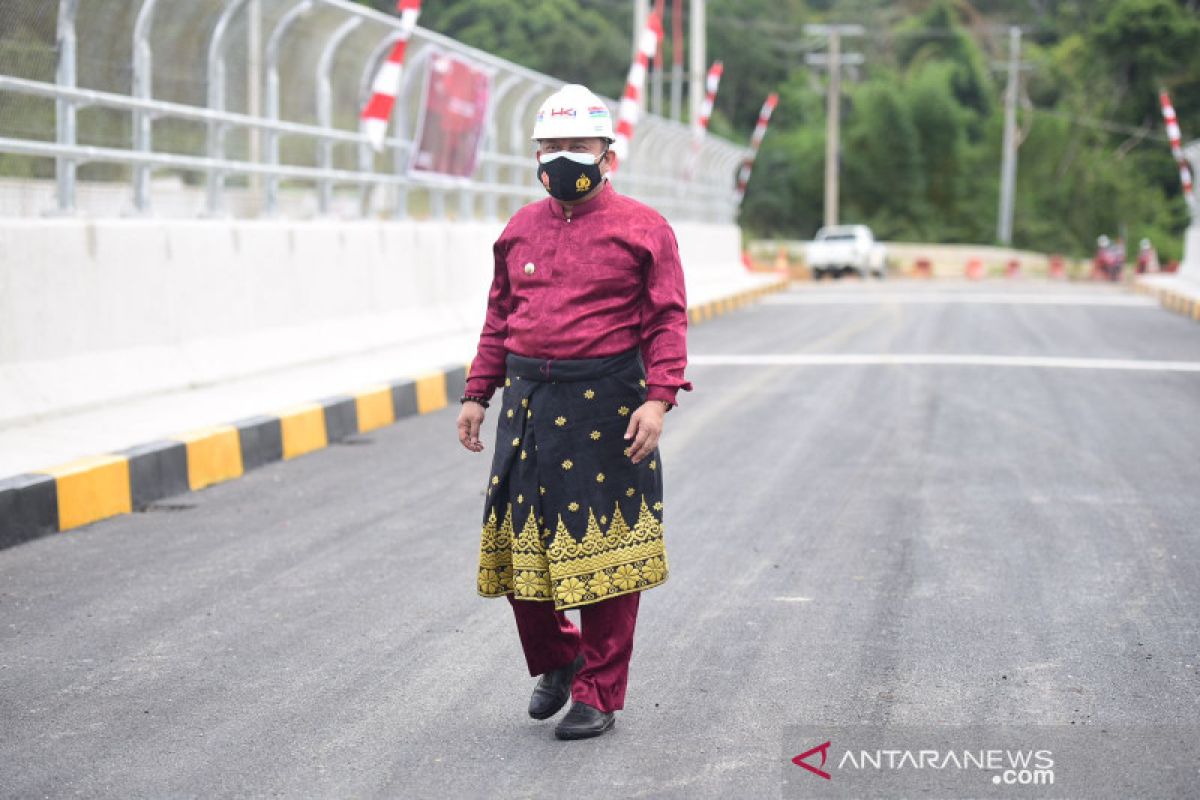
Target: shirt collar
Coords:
[(598, 203)]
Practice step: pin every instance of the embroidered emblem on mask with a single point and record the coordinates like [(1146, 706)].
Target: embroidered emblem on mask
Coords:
[(583, 184)]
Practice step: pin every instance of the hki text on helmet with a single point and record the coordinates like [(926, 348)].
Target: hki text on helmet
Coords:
[(573, 112)]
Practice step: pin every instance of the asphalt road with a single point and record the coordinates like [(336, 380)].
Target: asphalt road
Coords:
[(850, 544)]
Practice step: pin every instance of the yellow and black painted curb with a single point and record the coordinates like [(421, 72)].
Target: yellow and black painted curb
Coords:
[(91, 489), (75, 494), (715, 308), (1171, 299)]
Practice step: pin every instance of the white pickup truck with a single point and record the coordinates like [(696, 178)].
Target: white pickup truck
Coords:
[(842, 249)]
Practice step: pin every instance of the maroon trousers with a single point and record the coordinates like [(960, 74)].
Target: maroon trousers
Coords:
[(604, 637)]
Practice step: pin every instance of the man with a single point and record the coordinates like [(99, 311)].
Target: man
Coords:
[(586, 330)]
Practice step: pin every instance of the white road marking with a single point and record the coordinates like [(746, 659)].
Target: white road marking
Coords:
[(938, 360), (952, 298), (796, 599)]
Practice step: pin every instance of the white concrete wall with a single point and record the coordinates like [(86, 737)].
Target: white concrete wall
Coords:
[(1189, 268), (92, 312)]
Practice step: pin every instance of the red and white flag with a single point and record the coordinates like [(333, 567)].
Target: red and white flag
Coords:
[(760, 130), (386, 85), (700, 127), (1175, 137), (635, 85)]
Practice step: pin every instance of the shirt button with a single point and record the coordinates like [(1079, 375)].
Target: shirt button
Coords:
[(529, 268)]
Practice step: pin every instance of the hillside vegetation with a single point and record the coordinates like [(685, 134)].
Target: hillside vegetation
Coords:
[(923, 117)]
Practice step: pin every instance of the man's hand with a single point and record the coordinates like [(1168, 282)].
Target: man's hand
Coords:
[(645, 426), (470, 420)]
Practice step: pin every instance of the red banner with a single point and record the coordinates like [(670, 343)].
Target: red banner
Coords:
[(454, 118)]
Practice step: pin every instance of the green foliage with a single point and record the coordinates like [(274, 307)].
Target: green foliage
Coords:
[(923, 119), (935, 37), (1144, 44), (885, 179)]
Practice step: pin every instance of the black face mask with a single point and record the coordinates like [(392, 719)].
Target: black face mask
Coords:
[(569, 176)]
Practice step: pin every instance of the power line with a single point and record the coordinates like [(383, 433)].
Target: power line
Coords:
[(1102, 124)]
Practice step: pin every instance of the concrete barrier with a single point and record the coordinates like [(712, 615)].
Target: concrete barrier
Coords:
[(1189, 270), (96, 312), (945, 260)]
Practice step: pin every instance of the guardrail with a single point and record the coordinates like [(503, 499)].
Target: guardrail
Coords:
[(334, 47)]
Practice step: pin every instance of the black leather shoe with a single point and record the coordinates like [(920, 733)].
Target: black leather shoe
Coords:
[(584, 722), (553, 690)]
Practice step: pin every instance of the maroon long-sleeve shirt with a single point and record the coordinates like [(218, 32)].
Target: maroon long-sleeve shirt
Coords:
[(596, 284)]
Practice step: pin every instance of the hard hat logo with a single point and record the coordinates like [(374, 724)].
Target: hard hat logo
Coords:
[(583, 184), (573, 112)]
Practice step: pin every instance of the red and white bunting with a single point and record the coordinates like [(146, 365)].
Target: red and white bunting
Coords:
[(760, 130), (635, 85), (1175, 137), (700, 127), (386, 85)]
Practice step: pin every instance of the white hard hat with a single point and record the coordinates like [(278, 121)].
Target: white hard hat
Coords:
[(573, 112)]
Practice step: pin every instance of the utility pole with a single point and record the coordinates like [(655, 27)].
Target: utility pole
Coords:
[(698, 67), (834, 60), (1008, 161)]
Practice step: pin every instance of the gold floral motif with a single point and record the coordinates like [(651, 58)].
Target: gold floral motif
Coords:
[(524, 455), (572, 506), (600, 477), (595, 435), (489, 581), (610, 559), (517, 442), (510, 413), (589, 394), (626, 576), (653, 465), (520, 498), (658, 506), (524, 402), (529, 414), (654, 569), (600, 584), (623, 411), (541, 490), (495, 480), (568, 464), (507, 382), (570, 591), (629, 492), (642, 383), (626, 452), (526, 584), (560, 421)]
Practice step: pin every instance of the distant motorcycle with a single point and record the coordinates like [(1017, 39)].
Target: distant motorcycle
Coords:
[(1109, 261)]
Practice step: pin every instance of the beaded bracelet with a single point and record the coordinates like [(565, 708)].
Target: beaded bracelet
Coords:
[(468, 398)]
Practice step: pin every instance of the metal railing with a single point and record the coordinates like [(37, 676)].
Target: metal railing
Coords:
[(292, 123)]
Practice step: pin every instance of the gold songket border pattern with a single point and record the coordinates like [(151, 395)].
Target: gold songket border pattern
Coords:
[(604, 562)]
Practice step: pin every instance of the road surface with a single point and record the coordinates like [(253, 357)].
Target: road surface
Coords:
[(888, 504)]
